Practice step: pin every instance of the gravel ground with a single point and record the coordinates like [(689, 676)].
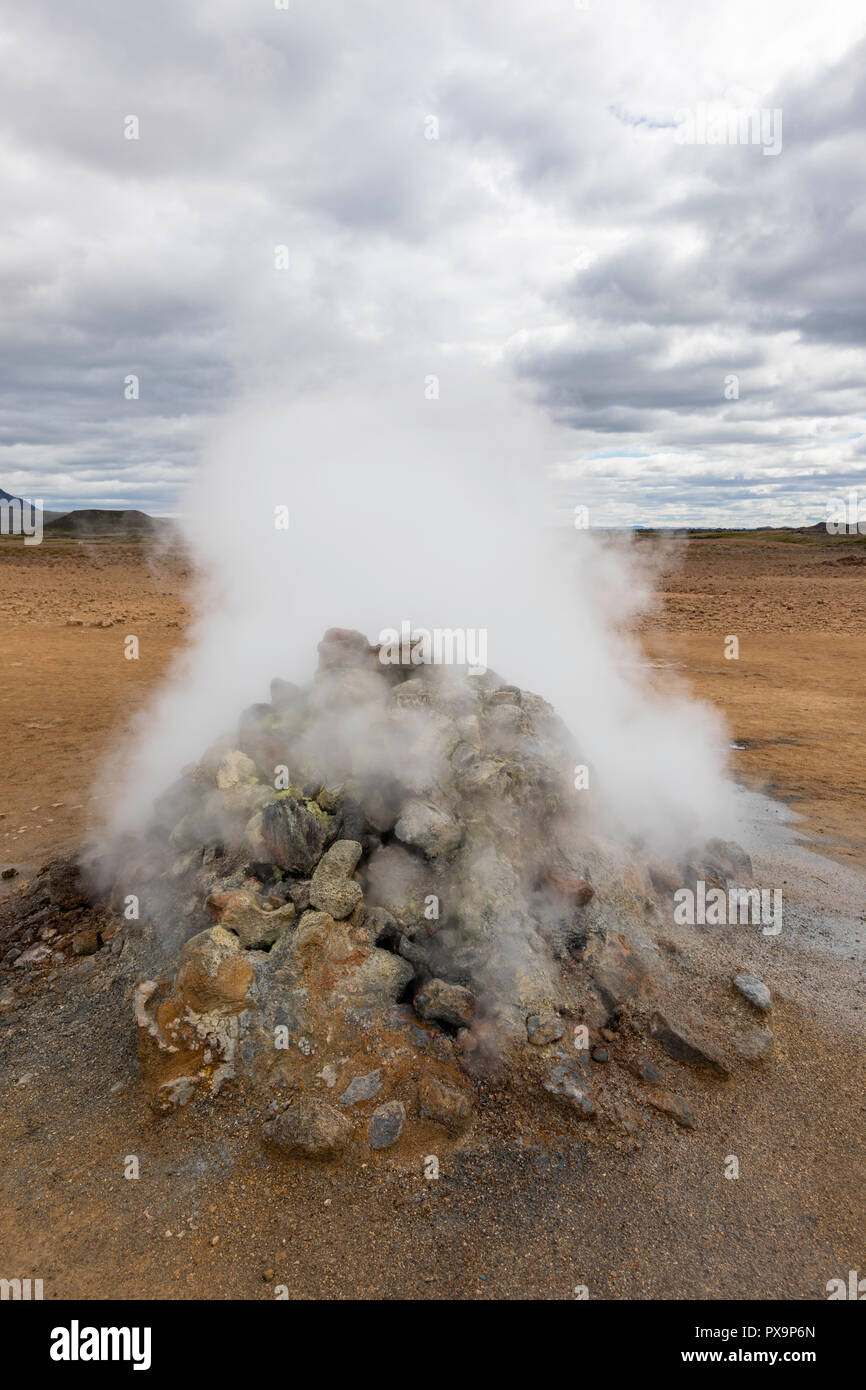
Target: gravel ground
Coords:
[(212, 1215)]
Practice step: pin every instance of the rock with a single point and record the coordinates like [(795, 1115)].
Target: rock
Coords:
[(85, 943), (285, 695), (309, 1129), (332, 888), (236, 770), (362, 1088), (441, 1002), (477, 775), (731, 858), (444, 1104), (618, 973), (326, 960), (568, 885), (254, 927), (330, 799), (753, 988), (428, 828), (34, 955), (9, 872), (213, 972), (665, 877), (343, 647), (569, 1081), (386, 1124), (542, 1029), (670, 1104), (383, 926), (755, 1046), (295, 837), (600, 1054), (685, 1046), (299, 892), (645, 1070), (65, 886), (380, 979)]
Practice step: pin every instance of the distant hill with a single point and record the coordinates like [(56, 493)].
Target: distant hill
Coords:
[(94, 522)]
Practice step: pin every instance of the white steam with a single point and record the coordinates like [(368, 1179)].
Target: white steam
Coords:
[(438, 512)]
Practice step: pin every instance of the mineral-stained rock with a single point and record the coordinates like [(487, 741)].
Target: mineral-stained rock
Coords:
[(568, 885), (441, 1002), (362, 1088), (332, 889), (386, 1124), (618, 973), (444, 1104), (378, 980), (295, 837), (172, 1094), (254, 927), (753, 988), (676, 1106), (85, 943), (213, 973), (65, 886), (235, 770), (322, 958), (686, 1046), (310, 1128), (568, 1080), (428, 828), (542, 1029)]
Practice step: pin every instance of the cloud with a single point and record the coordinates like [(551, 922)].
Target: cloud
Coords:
[(554, 232)]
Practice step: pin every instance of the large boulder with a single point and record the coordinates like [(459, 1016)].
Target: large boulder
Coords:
[(254, 927), (213, 972), (295, 835)]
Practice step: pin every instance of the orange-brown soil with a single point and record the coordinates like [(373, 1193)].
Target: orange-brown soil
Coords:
[(211, 1216)]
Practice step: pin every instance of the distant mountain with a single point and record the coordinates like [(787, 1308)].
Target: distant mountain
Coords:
[(95, 522)]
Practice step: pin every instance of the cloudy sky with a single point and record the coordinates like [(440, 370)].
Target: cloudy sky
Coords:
[(457, 183)]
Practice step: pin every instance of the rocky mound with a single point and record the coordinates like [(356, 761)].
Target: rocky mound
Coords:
[(385, 889)]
